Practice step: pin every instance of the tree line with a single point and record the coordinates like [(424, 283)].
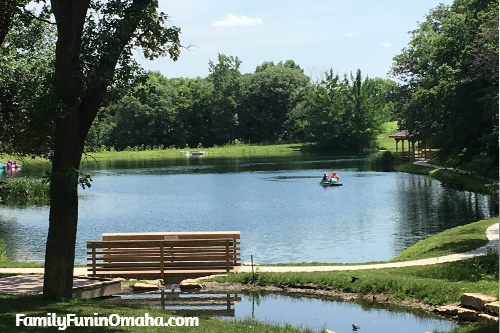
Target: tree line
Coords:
[(276, 103)]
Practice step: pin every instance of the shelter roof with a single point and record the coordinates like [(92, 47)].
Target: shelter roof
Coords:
[(404, 134)]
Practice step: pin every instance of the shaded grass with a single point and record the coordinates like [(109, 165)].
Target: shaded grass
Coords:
[(456, 240), (433, 284), (35, 306)]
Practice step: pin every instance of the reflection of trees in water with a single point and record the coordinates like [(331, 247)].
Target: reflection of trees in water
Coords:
[(23, 243), (426, 208)]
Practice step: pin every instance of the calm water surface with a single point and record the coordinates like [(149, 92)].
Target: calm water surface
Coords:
[(277, 204), (313, 313)]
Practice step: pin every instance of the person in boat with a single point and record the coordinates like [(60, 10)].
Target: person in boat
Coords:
[(325, 177), (9, 164), (335, 176)]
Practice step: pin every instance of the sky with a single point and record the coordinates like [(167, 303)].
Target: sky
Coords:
[(318, 35)]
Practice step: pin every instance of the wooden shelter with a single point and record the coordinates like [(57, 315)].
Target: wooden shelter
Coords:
[(418, 145)]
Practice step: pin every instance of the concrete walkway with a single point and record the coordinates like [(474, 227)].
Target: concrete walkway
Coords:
[(491, 234)]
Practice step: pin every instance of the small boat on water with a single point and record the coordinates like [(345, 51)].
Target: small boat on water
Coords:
[(328, 183), (196, 153)]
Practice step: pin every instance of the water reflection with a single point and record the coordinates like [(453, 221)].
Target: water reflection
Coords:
[(277, 205), (302, 311)]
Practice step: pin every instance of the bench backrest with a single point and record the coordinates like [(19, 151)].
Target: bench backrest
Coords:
[(168, 252)]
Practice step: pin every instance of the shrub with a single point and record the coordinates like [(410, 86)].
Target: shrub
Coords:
[(25, 191)]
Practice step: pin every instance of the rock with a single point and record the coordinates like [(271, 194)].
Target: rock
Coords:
[(492, 307), (144, 286), (248, 263), (467, 314), (190, 284), (476, 300), (451, 310), (329, 331), (157, 283), (484, 317)]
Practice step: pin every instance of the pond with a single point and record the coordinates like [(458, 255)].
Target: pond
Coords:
[(314, 313), (283, 214)]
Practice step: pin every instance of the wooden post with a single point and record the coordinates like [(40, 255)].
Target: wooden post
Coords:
[(227, 255), (162, 263), (94, 258)]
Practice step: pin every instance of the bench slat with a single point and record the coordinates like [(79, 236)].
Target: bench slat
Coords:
[(153, 255)]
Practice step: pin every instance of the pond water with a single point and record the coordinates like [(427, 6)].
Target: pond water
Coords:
[(313, 313), (283, 214)]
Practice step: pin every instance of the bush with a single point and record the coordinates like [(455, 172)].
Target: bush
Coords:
[(25, 191), (384, 161)]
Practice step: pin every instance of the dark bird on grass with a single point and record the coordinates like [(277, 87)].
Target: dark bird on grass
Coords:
[(354, 279), (355, 328)]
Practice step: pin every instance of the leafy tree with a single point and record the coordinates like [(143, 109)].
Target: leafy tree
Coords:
[(267, 97), (225, 77), (345, 113), (27, 58), (445, 86), (93, 51)]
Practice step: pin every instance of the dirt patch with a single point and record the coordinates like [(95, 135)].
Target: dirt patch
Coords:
[(313, 290)]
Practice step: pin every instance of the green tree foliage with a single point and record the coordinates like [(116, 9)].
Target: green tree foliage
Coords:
[(345, 113), (449, 79), (26, 71), (225, 77), (267, 98)]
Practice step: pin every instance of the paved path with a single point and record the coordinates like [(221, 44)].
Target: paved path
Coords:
[(491, 234)]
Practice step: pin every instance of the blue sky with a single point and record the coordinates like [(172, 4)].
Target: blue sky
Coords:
[(317, 35)]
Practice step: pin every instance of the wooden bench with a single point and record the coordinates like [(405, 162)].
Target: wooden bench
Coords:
[(164, 255)]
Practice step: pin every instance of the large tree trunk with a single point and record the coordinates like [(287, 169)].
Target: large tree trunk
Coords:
[(78, 108), (61, 239)]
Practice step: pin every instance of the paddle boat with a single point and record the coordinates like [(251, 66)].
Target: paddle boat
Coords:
[(329, 183)]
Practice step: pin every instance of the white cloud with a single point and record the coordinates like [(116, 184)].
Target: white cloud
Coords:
[(386, 44), (233, 20), (348, 34)]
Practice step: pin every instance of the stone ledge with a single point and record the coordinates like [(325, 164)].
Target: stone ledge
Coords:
[(476, 301), (471, 307)]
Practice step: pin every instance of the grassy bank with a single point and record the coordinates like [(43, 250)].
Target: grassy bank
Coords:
[(433, 284), (456, 240), (451, 178), (225, 151), (452, 241)]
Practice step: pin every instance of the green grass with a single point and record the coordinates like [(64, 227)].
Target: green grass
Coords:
[(383, 140), (35, 306), (456, 240), (225, 151), (486, 327), (432, 284), (451, 178)]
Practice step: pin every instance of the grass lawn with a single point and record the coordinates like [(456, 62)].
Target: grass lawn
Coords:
[(383, 140), (456, 240)]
